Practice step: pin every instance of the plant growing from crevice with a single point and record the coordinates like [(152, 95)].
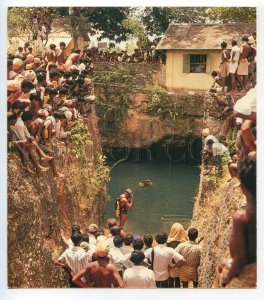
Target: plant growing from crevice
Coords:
[(79, 140)]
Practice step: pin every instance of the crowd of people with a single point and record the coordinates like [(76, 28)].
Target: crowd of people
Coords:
[(50, 94), (109, 257), (240, 116), (140, 55), (237, 71), (46, 96)]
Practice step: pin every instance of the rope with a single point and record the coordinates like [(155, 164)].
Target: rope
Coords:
[(173, 132)]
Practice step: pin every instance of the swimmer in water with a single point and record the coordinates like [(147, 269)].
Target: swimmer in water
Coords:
[(144, 183)]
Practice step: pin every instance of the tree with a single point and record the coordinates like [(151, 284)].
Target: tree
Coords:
[(79, 21), (20, 19), (107, 21), (137, 30), (157, 19), (232, 14)]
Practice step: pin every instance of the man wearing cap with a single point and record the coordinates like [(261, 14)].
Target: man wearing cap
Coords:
[(138, 276), (100, 273), (126, 202), (18, 67)]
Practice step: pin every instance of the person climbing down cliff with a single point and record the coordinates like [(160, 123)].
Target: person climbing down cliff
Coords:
[(242, 242), (219, 151), (126, 202)]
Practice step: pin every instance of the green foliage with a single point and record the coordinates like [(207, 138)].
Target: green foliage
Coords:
[(232, 14), (111, 114), (157, 19), (112, 105), (107, 20), (19, 19), (161, 104), (79, 140), (137, 30), (103, 171)]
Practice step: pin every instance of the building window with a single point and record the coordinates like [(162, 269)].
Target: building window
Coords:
[(196, 63)]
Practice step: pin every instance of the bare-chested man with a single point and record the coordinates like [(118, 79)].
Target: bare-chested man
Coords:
[(242, 242), (242, 70), (72, 59), (61, 56), (225, 55), (126, 202), (50, 55), (100, 273)]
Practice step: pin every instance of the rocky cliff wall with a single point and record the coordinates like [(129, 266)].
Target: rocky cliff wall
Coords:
[(217, 201), (139, 128), (39, 206)]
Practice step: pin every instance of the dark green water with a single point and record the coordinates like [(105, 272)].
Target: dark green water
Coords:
[(156, 208)]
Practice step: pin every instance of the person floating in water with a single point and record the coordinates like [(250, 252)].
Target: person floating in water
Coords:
[(144, 183), (126, 202)]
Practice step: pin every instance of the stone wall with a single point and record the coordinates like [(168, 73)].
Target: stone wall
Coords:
[(139, 129)]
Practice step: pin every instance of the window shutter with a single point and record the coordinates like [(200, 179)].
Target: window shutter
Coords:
[(186, 63), (208, 63)]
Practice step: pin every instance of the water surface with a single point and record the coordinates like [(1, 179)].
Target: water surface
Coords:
[(156, 208)]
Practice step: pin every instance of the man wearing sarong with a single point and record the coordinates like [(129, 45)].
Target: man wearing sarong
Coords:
[(223, 71), (242, 70), (191, 251)]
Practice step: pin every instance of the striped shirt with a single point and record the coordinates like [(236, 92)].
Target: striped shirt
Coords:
[(191, 251), (76, 258)]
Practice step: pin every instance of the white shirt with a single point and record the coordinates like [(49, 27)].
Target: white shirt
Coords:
[(110, 241), (139, 277), (92, 239), (162, 258), (76, 258), (117, 258), (81, 67), (19, 130), (209, 137), (218, 149), (126, 249), (247, 104), (237, 51), (127, 263)]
